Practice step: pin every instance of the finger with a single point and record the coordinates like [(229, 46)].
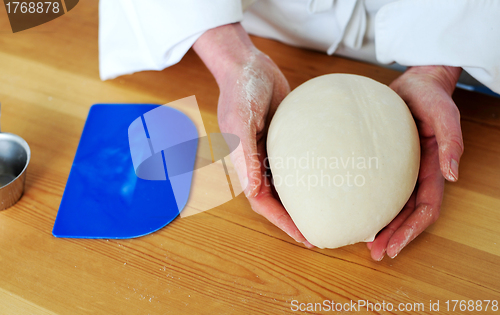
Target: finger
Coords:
[(432, 106), (281, 90), (239, 163), (267, 205), (245, 157), (270, 208), (428, 200), (379, 246), (446, 125)]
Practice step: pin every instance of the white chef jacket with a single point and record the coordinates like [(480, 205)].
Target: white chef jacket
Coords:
[(137, 35)]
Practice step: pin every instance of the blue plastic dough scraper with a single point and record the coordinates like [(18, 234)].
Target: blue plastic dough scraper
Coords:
[(105, 195)]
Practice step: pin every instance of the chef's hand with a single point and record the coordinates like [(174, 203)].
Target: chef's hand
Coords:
[(251, 88), (427, 91)]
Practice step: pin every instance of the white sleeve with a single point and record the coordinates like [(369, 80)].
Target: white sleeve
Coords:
[(137, 35), (460, 33)]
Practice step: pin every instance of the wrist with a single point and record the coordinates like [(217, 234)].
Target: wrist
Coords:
[(224, 49)]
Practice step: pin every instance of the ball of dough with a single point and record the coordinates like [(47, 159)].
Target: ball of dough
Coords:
[(344, 153)]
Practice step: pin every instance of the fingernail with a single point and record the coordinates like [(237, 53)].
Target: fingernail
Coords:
[(244, 186), (381, 256), (454, 170), (396, 252), (307, 244)]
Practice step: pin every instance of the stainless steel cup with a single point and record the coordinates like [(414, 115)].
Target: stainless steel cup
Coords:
[(14, 159)]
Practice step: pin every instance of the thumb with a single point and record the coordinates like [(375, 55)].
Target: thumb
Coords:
[(446, 125), (247, 164)]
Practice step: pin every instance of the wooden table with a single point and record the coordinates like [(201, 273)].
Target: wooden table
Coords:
[(228, 260)]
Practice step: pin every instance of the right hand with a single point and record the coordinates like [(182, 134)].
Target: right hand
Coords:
[(251, 88), (427, 90)]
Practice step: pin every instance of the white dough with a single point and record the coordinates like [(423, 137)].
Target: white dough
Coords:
[(344, 153)]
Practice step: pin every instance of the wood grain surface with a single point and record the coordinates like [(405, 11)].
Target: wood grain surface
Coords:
[(228, 260)]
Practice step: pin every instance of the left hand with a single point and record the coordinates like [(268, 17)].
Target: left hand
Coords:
[(251, 88), (427, 90)]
